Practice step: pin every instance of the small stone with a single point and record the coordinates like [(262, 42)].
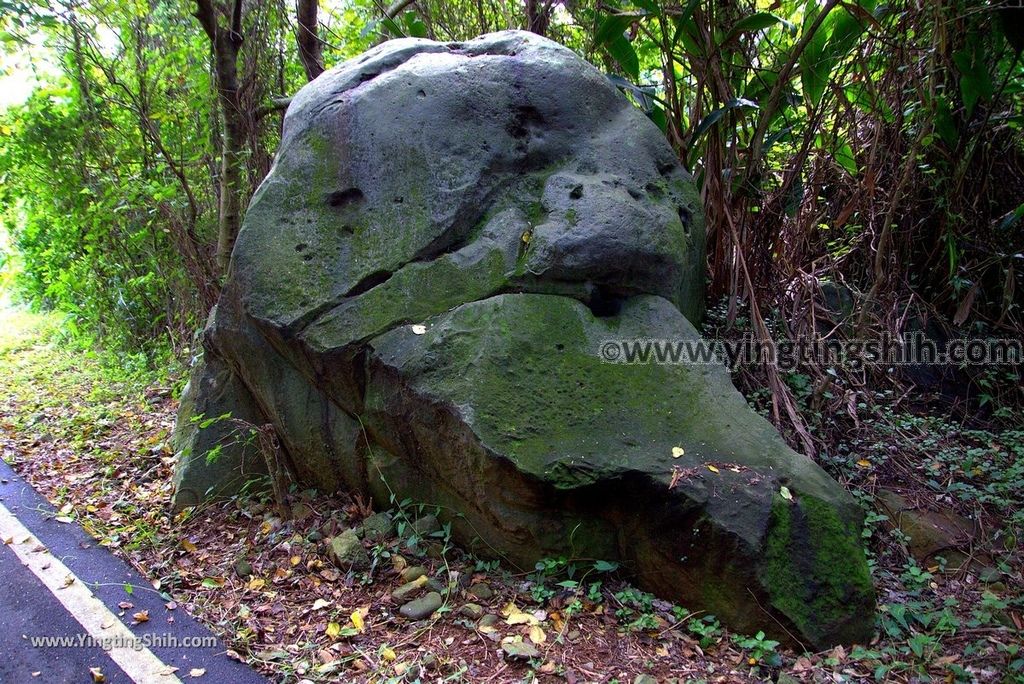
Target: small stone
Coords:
[(573, 635), (645, 679), (481, 591), (422, 607), (409, 589), (378, 526), (988, 574), (473, 611), (301, 511), (243, 568), (520, 650), (348, 552), (426, 525), (413, 572)]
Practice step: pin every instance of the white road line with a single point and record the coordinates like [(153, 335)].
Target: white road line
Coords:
[(142, 666)]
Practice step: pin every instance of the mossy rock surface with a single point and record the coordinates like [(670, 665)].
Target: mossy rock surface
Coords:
[(418, 301)]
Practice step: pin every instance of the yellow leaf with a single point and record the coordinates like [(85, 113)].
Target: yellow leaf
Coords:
[(520, 618), (320, 603), (357, 620), (256, 583), (333, 630), (751, 661), (712, 468), (141, 616), (537, 635), (864, 463), (388, 654), (677, 452), (295, 560), (785, 493), (188, 546), (97, 675)]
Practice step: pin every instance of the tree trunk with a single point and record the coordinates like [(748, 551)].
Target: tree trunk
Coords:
[(308, 39), (226, 44)]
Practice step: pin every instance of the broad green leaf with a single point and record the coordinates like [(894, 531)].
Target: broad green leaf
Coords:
[(623, 53), (754, 22), (814, 69), (611, 27), (715, 116)]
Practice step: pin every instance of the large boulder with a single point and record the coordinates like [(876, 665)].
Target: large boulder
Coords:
[(419, 299)]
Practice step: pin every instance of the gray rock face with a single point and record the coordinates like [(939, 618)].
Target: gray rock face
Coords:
[(215, 454), (418, 299)]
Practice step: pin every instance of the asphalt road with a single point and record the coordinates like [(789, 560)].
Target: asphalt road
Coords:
[(56, 582)]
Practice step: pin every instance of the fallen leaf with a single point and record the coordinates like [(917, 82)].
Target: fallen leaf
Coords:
[(333, 630), (520, 618), (141, 616), (537, 635), (677, 452), (518, 650), (357, 620), (388, 654), (196, 672), (785, 493), (864, 463), (712, 468), (419, 329), (97, 675), (320, 603), (295, 560), (188, 546)]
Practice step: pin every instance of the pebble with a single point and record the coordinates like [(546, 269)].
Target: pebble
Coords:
[(473, 611), (409, 589), (481, 591), (422, 607), (413, 573), (243, 568), (426, 525)]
